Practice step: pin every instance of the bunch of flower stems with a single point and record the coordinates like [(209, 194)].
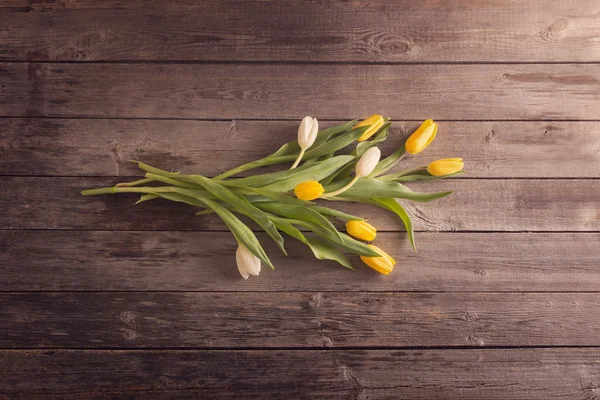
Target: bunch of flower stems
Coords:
[(340, 163)]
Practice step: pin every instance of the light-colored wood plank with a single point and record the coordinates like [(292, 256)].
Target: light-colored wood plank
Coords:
[(326, 91), (349, 374), (366, 31), (100, 147), (299, 319), (475, 205), (205, 261)]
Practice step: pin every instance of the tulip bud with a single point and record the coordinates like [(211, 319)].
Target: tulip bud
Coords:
[(308, 190), (361, 230), (420, 139), (368, 162), (307, 132), (376, 121), (445, 166), (248, 264), (384, 264)]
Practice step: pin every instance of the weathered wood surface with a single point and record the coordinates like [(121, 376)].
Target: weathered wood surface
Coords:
[(357, 374), (205, 261), (297, 319), (367, 31), (475, 205), (270, 91), (100, 147)]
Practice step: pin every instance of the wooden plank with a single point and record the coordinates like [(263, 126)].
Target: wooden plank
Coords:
[(205, 261), (299, 319), (357, 374), (394, 31), (475, 205), (327, 91), (99, 147)]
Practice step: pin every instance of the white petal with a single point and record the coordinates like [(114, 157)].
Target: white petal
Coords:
[(244, 260), (254, 268), (304, 131), (368, 162), (312, 136)]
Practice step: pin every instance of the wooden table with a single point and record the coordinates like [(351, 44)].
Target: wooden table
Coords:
[(103, 299)]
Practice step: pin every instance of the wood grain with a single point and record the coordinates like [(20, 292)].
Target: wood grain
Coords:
[(284, 91), (367, 31), (205, 261), (100, 147), (297, 319), (357, 374), (475, 205)]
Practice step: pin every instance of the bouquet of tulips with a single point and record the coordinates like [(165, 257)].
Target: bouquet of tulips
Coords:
[(322, 167)]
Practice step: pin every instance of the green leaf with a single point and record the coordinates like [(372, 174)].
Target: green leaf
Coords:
[(242, 233), (292, 148), (341, 240), (424, 176), (283, 225), (325, 251), (335, 213), (301, 213), (147, 197), (301, 174), (243, 206), (275, 196), (395, 207), (368, 188), (387, 163)]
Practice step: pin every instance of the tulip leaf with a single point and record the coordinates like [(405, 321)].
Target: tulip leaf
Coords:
[(387, 163), (341, 240), (314, 172), (368, 188), (242, 233), (395, 207), (301, 213), (324, 251), (275, 196), (283, 225), (300, 174), (335, 213), (424, 176), (241, 205), (147, 197)]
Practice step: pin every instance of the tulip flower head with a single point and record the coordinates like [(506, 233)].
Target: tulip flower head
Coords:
[(308, 190), (375, 121), (364, 167), (248, 264), (361, 230), (445, 166), (384, 264), (307, 134), (420, 139)]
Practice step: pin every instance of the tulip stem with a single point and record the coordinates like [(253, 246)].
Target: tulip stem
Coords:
[(343, 189), (298, 159), (135, 183)]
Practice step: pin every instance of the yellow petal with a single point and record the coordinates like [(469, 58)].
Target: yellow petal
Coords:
[(361, 230), (308, 190), (422, 137), (445, 166), (384, 264), (372, 130)]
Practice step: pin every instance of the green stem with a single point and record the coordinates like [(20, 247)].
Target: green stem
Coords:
[(135, 183), (298, 159), (393, 176), (341, 190)]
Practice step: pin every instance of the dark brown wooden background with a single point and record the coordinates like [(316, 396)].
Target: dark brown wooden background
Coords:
[(103, 299)]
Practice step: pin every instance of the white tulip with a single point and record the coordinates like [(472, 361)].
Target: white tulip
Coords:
[(248, 264), (364, 167), (307, 134), (368, 162)]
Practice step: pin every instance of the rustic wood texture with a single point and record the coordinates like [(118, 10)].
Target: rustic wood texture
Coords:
[(371, 31), (335, 374), (269, 91), (103, 300), (475, 205), (204, 261), (100, 147), (304, 319)]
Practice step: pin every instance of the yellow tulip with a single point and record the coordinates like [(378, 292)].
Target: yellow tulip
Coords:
[(445, 166), (309, 190), (361, 230), (421, 138), (384, 264), (376, 121)]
